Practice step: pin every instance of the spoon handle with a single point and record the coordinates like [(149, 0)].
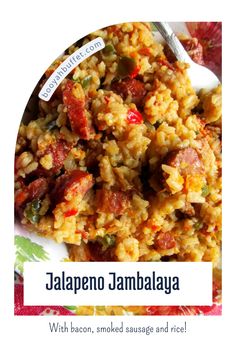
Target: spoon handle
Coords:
[(173, 42)]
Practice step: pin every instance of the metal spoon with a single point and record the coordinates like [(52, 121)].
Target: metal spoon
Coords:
[(200, 76)]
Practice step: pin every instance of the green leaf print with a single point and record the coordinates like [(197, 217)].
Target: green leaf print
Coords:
[(28, 251), (71, 308)]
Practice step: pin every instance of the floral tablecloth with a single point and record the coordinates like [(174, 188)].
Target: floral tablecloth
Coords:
[(209, 35), (21, 310)]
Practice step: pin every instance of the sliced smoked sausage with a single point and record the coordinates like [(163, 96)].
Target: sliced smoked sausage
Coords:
[(130, 87), (186, 160)]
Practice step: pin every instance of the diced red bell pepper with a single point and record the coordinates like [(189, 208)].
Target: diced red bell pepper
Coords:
[(144, 51), (135, 72), (134, 117), (71, 212), (127, 67)]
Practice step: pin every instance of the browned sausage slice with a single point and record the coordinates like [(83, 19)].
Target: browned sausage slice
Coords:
[(186, 160), (35, 190), (164, 241), (130, 87), (59, 152), (111, 202), (80, 123), (71, 184)]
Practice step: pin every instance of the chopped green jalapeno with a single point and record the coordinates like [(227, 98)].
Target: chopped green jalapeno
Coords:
[(126, 67), (108, 50), (205, 190), (32, 211), (86, 81), (107, 241), (110, 240), (198, 225)]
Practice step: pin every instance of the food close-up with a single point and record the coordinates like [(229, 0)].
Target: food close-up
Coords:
[(123, 163)]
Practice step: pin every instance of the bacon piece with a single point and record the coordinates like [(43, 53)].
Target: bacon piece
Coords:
[(164, 241), (130, 87), (79, 121), (111, 202), (97, 253), (186, 160), (71, 184)]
